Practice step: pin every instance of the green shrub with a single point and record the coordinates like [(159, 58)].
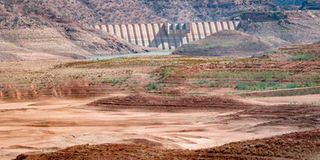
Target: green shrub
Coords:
[(115, 81), (217, 84), (202, 82), (153, 86), (266, 76), (165, 73), (292, 85), (301, 57), (261, 86), (258, 86), (266, 85), (309, 84), (246, 75), (242, 86), (211, 83)]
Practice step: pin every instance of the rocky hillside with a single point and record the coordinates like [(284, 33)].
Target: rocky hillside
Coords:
[(38, 30), (61, 42), (60, 28), (134, 11), (298, 27)]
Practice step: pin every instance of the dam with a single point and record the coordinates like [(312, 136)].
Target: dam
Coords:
[(166, 36)]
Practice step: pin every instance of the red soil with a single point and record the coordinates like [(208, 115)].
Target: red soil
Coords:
[(304, 66), (163, 103), (302, 145)]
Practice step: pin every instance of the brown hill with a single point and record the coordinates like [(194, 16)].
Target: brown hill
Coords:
[(299, 27), (38, 30), (58, 42), (226, 43)]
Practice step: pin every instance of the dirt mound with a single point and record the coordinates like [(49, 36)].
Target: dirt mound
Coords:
[(141, 141), (283, 115), (301, 145), (107, 151), (225, 43), (162, 103)]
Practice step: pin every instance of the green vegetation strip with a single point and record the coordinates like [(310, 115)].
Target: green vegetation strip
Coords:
[(257, 81), (145, 61), (303, 57)]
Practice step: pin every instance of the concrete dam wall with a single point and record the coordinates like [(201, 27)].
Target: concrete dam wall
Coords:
[(166, 35)]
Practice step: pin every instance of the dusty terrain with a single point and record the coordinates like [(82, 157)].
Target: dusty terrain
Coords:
[(157, 107), (306, 144), (143, 104), (155, 123)]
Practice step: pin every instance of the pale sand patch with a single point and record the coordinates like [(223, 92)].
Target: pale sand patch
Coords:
[(303, 99)]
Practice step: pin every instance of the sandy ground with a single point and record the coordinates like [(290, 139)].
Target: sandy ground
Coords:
[(304, 99), (48, 125)]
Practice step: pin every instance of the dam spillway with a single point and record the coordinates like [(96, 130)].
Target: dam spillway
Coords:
[(166, 36)]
